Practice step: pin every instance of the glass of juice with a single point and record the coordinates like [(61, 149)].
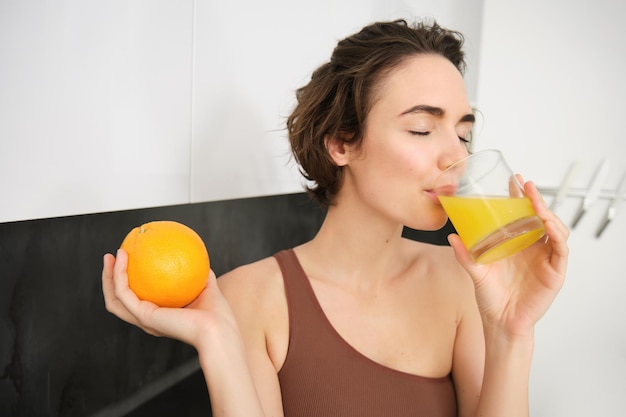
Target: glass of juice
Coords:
[(486, 205)]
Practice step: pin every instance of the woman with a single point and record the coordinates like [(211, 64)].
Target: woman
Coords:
[(359, 321)]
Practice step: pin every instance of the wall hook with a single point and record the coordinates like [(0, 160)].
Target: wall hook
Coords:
[(566, 184), (609, 215), (593, 191)]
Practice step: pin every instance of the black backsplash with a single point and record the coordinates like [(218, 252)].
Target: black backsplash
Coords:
[(61, 353)]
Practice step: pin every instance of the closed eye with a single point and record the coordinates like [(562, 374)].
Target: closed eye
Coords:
[(418, 133), (466, 138)]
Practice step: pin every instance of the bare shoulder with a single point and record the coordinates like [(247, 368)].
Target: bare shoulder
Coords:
[(252, 285), (446, 270), (443, 260)]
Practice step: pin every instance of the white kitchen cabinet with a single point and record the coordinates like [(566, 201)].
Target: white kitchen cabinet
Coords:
[(94, 106)]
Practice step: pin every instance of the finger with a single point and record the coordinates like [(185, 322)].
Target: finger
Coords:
[(122, 290), (462, 254), (539, 204), (556, 230), (107, 277), (212, 281), (561, 227), (543, 211), (531, 191), (514, 186), (559, 232), (138, 312), (120, 296), (111, 302), (560, 250), (209, 290)]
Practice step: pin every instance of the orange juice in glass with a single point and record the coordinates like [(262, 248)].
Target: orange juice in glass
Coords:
[(487, 207)]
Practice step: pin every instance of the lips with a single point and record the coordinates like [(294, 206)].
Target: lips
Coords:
[(445, 190), (432, 195)]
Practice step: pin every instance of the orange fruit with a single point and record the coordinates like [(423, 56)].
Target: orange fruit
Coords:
[(168, 263)]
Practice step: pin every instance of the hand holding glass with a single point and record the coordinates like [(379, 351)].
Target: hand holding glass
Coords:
[(486, 205)]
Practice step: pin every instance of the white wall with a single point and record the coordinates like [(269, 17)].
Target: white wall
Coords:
[(551, 87), (113, 104)]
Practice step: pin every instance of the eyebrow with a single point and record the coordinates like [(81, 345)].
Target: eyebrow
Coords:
[(437, 112)]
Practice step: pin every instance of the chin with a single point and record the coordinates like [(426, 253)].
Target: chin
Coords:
[(429, 224)]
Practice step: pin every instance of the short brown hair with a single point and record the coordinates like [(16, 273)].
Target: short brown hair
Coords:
[(341, 92)]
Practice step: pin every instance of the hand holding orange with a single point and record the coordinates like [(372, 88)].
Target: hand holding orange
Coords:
[(168, 263)]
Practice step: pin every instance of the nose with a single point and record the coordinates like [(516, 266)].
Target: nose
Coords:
[(452, 153)]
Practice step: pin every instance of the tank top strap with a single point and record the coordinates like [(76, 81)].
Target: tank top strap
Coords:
[(304, 310)]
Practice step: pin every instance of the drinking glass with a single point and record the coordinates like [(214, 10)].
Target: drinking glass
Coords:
[(487, 206)]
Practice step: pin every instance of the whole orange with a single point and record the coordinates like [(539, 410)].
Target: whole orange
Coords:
[(168, 263)]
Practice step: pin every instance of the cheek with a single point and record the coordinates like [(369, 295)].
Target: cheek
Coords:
[(400, 165), (416, 162)]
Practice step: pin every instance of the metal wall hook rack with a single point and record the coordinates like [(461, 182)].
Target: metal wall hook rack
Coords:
[(590, 195)]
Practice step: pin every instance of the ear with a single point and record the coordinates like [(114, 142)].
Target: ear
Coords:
[(337, 150)]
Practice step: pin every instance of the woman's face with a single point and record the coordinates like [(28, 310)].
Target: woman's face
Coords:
[(416, 128)]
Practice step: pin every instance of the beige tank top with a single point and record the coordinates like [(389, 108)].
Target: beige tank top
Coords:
[(323, 376)]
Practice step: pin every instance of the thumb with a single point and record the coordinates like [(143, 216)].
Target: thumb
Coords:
[(461, 253)]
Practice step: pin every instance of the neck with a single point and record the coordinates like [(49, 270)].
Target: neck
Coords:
[(357, 245)]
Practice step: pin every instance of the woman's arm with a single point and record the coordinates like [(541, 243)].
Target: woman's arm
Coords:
[(511, 296), (209, 325), (255, 293), (490, 372)]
